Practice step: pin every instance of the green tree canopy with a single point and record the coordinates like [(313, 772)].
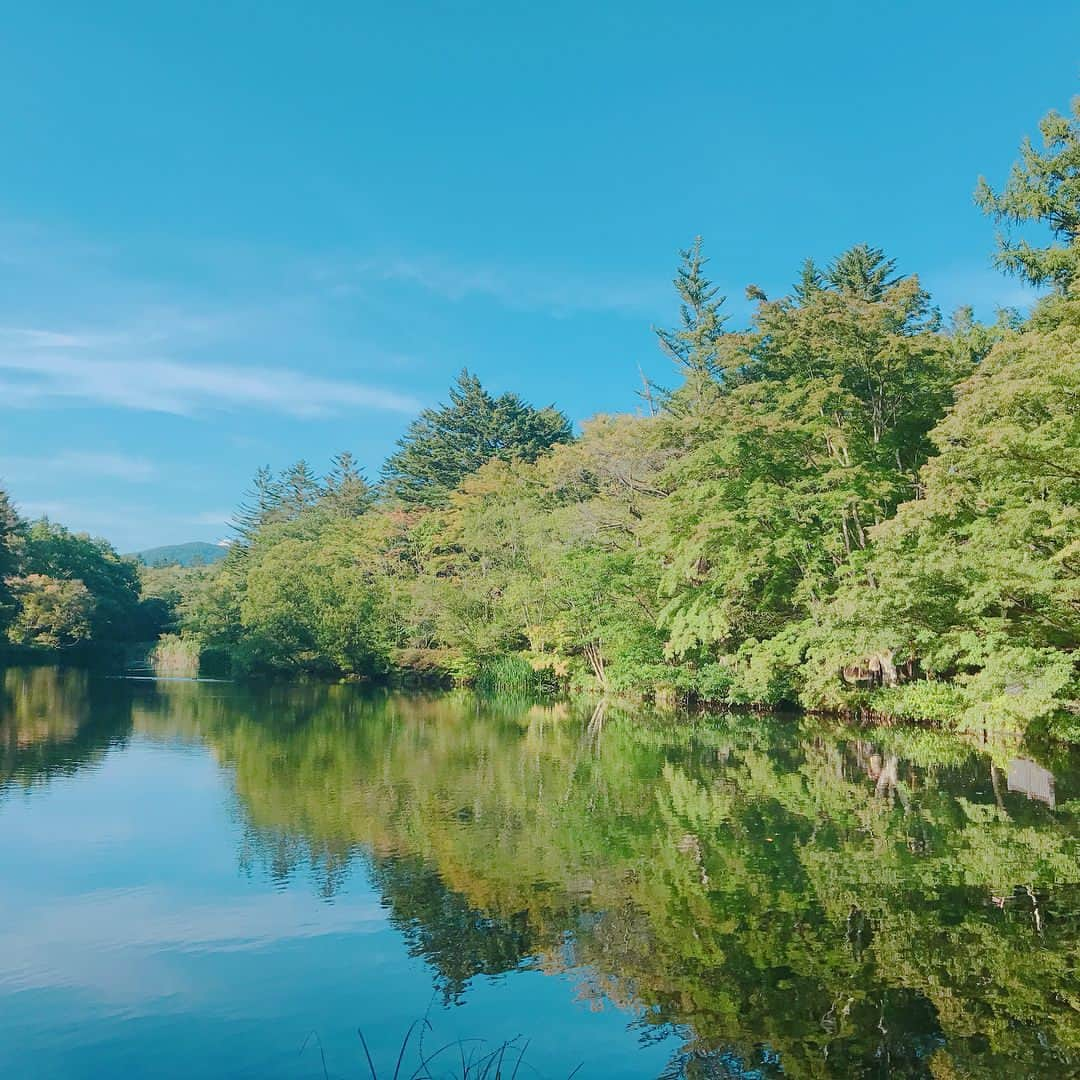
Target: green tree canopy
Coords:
[(1044, 188), (980, 577), (274, 498), (846, 495), (695, 346), (862, 272), (54, 552), (779, 479), (445, 444), (346, 492), (9, 530), (53, 613)]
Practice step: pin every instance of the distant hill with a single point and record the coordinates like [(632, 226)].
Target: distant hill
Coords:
[(193, 554)]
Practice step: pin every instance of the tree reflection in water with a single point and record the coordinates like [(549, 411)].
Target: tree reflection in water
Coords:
[(790, 897)]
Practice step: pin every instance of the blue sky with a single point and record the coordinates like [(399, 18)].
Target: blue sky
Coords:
[(235, 234)]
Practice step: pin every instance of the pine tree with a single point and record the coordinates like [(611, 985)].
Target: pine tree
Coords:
[(695, 344), (346, 492), (862, 272), (1043, 187), (260, 502), (446, 444), (300, 489), (810, 282)]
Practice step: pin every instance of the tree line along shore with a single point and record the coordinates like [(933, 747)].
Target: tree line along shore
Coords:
[(851, 503)]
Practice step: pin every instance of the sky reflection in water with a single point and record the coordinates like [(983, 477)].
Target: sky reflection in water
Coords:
[(196, 876)]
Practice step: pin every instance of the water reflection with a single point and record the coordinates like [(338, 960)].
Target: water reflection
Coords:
[(789, 898), (56, 721)]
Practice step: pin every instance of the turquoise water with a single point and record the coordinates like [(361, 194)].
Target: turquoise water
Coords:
[(205, 880)]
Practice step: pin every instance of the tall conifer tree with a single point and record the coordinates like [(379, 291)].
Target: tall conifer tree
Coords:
[(444, 445), (1043, 187), (695, 344)]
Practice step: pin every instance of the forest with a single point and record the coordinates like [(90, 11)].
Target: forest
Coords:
[(851, 504)]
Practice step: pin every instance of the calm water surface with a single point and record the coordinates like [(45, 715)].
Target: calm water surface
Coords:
[(195, 877)]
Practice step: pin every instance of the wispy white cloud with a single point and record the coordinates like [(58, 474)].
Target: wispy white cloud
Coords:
[(46, 366), (81, 462), (558, 291)]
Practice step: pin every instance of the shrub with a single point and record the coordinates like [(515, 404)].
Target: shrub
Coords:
[(509, 673), (175, 656), (939, 702)]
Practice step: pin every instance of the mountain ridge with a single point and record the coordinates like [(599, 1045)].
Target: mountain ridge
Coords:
[(192, 553)]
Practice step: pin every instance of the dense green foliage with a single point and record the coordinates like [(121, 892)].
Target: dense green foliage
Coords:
[(444, 445), (1044, 187), (980, 577), (65, 590), (849, 503), (9, 560)]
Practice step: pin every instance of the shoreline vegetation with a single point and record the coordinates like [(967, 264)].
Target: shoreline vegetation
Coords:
[(852, 504)]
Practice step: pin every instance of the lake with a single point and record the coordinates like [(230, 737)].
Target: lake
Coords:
[(210, 880)]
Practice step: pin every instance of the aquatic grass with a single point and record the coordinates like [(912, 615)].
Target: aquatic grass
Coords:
[(510, 673), (474, 1059), (175, 656), (487, 1066)]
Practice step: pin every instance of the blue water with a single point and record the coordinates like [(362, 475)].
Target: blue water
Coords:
[(211, 880), (133, 942)]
